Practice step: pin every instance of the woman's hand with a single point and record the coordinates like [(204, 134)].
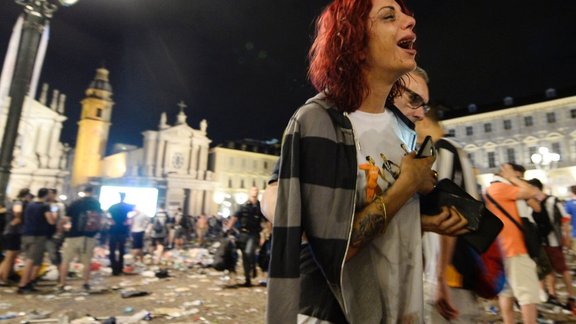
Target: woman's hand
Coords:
[(448, 222)]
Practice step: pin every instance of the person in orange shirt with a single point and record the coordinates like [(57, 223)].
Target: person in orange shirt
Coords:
[(521, 276)]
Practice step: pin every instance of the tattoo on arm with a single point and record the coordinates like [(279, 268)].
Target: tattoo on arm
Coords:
[(367, 224)]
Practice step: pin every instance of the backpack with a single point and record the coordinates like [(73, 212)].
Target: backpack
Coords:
[(542, 220), (226, 256), (158, 226), (90, 222), (482, 273)]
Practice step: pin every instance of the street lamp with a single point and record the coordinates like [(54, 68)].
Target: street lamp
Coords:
[(544, 158), (543, 161), (37, 13)]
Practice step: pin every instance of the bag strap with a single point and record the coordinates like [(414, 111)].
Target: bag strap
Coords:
[(504, 211)]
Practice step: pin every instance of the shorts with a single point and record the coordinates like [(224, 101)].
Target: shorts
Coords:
[(137, 240), (521, 280), (81, 247), (556, 257), (158, 241), (34, 248), (11, 242)]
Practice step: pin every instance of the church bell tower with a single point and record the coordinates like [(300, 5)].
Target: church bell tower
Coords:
[(93, 129)]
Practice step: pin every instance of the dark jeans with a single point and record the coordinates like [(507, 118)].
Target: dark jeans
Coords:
[(248, 243), (117, 242)]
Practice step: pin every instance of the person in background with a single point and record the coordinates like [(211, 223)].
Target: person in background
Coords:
[(78, 242), (138, 224), (56, 238), (119, 231), (38, 219), (552, 208), (571, 210), (522, 283), (180, 229), (171, 225), (250, 219), (201, 229), (452, 302), (158, 230), (12, 236)]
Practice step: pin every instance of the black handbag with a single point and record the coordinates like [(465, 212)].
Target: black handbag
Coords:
[(531, 236), (483, 225), (447, 193)]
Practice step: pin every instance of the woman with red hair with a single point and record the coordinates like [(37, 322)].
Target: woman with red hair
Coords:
[(360, 260)]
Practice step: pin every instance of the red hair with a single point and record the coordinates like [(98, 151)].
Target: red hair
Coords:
[(338, 53)]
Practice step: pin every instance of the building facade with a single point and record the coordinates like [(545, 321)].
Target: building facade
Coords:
[(238, 166), (515, 134), (40, 159)]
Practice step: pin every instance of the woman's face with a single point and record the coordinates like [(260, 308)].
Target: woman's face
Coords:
[(390, 39)]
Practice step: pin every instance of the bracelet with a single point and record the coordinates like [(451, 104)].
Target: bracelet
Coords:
[(383, 207)]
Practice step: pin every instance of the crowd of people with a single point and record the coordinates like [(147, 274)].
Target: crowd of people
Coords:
[(41, 229)]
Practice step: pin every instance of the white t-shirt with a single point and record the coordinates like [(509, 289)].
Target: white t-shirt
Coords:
[(393, 259), (139, 222)]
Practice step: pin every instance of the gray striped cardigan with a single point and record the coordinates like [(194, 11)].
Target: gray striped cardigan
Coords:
[(316, 193)]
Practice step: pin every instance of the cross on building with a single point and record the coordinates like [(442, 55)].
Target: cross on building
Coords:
[(182, 105)]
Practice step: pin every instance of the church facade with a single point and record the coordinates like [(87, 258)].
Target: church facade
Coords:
[(172, 159), (40, 159)]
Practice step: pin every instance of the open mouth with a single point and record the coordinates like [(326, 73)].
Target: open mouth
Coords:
[(407, 43)]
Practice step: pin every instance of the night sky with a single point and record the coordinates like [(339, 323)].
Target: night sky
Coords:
[(241, 64)]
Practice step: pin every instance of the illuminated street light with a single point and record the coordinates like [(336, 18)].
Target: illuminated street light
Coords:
[(36, 15), (544, 158)]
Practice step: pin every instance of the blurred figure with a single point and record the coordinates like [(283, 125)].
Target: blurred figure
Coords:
[(249, 218), (521, 275), (170, 225), (119, 231), (11, 236), (180, 229), (571, 209), (56, 237), (158, 230), (139, 222), (201, 229), (444, 285), (558, 220), (35, 231), (80, 240)]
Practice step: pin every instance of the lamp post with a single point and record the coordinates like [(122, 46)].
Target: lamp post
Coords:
[(36, 14)]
